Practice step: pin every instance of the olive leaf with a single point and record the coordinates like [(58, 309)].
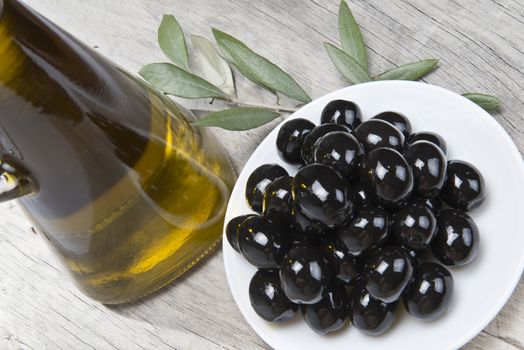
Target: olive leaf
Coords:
[(172, 42), (214, 68), (350, 36), (175, 81), (346, 65), (488, 102), (240, 118), (410, 71), (257, 68)]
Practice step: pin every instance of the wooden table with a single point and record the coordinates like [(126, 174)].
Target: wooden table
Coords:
[(480, 45)]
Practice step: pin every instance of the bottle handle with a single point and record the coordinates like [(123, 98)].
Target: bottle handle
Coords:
[(15, 181)]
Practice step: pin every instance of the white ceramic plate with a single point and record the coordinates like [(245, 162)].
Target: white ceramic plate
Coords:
[(481, 288)]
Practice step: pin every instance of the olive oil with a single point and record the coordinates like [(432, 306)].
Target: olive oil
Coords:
[(128, 194)]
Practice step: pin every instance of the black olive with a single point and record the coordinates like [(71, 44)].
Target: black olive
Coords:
[(306, 227), (376, 133), (321, 194), (429, 297), (278, 204), (257, 182), (342, 112), (340, 150), (290, 138), (464, 186), (435, 204), (330, 313), (387, 273), (400, 121), (414, 226), (343, 265), (268, 299), (262, 243), (361, 197), (304, 275), (457, 240), (428, 136), (368, 314), (386, 177), (416, 256), (429, 165), (232, 230), (367, 231), (308, 146)]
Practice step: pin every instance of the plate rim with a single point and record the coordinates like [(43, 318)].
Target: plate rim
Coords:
[(510, 288)]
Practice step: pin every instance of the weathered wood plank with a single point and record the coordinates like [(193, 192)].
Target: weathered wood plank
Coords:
[(480, 44)]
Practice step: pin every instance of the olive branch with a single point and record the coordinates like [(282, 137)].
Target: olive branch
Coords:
[(217, 81)]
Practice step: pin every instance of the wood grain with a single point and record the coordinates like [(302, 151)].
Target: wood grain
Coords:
[(480, 45)]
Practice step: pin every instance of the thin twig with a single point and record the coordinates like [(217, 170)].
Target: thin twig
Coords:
[(276, 108)]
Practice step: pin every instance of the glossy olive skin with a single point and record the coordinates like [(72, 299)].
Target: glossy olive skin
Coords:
[(428, 136), (344, 266), (387, 273), (400, 121), (457, 240), (257, 182), (434, 203), (429, 166), (303, 226), (361, 197), (386, 177), (321, 194), (367, 231), (429, 297), (304, 275), (368, 314), (262, 243), (342, 112), (464, 186), (308, 145), (277, 204), (376, 133), (290, 138), (268, 299), (340, 150), (330, 313), (414, 226), (416, 256), (232, 230)]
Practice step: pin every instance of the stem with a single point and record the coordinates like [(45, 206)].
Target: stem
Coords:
[(274, 107)]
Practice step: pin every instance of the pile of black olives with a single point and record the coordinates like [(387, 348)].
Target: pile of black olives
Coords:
[(361, 225)]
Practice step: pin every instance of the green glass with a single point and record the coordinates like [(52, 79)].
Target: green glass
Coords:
[(111, 172)]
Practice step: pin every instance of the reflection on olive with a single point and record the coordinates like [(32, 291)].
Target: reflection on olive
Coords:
[(429, 297), (464, 186), (257, 182), (376, 133), (304, 275), (457, 240), (268, 299), (386, 177)]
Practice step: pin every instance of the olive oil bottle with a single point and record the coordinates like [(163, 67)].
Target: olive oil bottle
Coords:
[(127, 193)]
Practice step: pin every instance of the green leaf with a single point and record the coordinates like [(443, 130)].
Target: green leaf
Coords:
[(410, 71), (257, 68), (172, 42), (488, 102), (214, 68), (346, 65), (350, 36), (241, 118), (176, 81)]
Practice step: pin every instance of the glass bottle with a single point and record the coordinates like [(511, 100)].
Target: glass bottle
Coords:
[(126, 192)]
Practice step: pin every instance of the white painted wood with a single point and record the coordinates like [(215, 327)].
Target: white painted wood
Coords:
[(480, 44)]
